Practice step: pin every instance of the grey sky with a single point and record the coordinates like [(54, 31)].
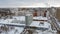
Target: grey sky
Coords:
[(8, 3)]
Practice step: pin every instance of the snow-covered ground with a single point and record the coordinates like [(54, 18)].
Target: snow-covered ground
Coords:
[(18, 30), (45, 32)]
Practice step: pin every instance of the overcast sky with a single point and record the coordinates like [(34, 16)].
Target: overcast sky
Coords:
[(42, 3)]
